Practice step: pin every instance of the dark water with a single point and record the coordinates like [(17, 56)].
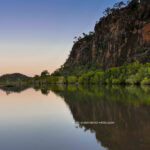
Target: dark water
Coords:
[(75, 118)]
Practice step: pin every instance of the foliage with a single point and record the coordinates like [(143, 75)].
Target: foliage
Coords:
[(133, 4), (72, 79), (76, 69), (85, 78), (146, 81), (107, 11), (133, 73), (84, 36), (98, 78), (61, 80), (134, 95), (119, 5), (44, 73), (14, 79)]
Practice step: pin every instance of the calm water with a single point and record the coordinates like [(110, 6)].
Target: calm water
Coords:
[(75, 118)]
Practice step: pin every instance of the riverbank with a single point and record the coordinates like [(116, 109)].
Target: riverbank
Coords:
[(128, 74), (133, 73)]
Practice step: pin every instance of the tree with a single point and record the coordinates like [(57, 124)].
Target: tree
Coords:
[(91, 33), (107, 11), (44, 73), (133, 3), (145, 1), (119, 5), (36, 77), (72, 79), (79, 38), (84, 34)]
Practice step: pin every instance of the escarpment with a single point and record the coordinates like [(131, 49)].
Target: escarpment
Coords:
[(122, 36)]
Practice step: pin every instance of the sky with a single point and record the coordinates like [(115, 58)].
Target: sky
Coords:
[(37, 35)]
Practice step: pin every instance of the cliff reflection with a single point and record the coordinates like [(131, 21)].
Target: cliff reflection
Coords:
[(128, 107)]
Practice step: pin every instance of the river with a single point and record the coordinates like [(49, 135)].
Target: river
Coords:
[(75, 118)]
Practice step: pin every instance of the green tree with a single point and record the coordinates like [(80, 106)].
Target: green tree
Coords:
[(44, 73), (98, 78), (72, 79), (85, 78), (36, 77)]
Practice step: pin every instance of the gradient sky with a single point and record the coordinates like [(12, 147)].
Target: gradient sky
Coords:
[(38, 34)]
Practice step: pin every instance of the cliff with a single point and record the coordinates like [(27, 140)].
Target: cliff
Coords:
[(121, 36)]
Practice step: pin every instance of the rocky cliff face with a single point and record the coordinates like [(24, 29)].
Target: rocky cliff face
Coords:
[(122, 36)]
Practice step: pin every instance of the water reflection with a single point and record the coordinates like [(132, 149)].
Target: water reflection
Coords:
[(128, 107), (12, 89)]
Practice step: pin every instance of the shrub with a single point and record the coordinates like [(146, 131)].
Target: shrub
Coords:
[(133, 73), (44, 73), (52, 80), (130, 80), (56, 80), (146, 81), (134, 79), (60, 80), (116, 81), (72, 79), (85, 78), (98, 78)]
